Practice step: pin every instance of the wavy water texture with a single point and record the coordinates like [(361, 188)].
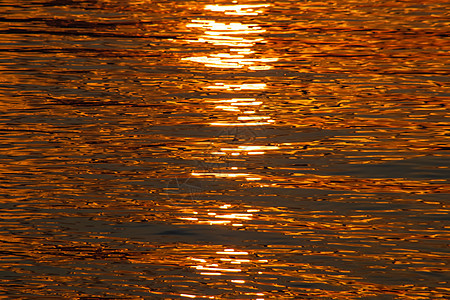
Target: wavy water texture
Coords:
[(224, 149)]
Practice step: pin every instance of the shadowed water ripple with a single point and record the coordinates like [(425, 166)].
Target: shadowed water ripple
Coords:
[(224, 149)]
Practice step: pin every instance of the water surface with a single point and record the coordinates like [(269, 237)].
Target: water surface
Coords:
[(224, 149)]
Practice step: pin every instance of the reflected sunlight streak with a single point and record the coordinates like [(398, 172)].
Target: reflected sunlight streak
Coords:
[(248, 10), (238, 87), (222, 34)]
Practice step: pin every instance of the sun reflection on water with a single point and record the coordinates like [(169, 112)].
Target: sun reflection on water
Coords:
[(237, 36), (236, 9), (238, 87), (236, 40), (231, 264), (225, 214)]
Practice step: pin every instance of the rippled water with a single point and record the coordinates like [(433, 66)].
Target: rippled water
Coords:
[(224, 150)]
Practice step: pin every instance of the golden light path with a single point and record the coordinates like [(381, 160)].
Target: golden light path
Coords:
[(238, 87), (242, 10), (240, 37), (246, 112), (228, 262)]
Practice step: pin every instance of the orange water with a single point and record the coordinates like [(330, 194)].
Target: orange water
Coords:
[(224, 149)]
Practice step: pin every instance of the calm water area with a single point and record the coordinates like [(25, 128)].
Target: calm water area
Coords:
[(224, 149)]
